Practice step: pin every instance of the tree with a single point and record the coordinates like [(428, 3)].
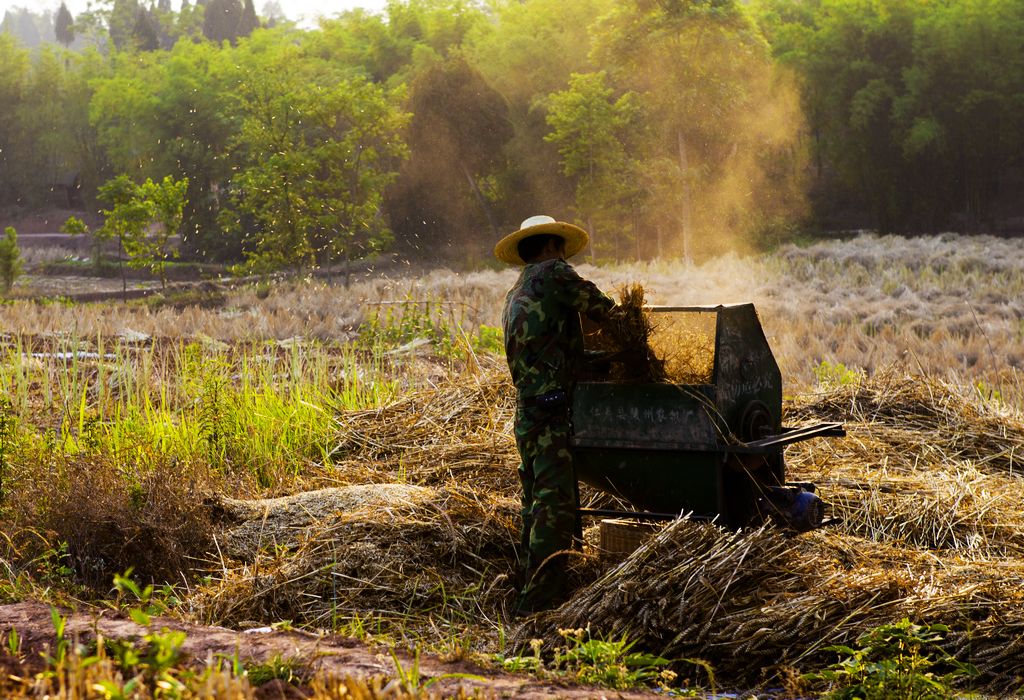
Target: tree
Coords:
[(44, 159), (912, 106), (249, 22), (126, 218), (221, 20), (13, 84), (146, 31), (64, 26), (166, 203), (445, 194), (272, 12), (121, 23), (527, 52), (592, 127), (719, 115), (316, 155), (159, 114), (22, 24), (10, 259)]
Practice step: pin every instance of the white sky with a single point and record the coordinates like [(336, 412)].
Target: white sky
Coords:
[(303, 11)]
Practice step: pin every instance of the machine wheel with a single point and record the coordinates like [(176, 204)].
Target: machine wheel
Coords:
[(756, 422)]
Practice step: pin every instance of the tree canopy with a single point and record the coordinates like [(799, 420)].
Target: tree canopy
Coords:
[(666, 127)]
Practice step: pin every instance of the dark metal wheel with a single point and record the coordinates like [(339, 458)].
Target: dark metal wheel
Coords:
[(756, 422)]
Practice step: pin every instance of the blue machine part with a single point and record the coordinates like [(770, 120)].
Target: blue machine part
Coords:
[(793, 507)]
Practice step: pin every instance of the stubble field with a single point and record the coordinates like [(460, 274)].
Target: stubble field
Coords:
[(341, 459)]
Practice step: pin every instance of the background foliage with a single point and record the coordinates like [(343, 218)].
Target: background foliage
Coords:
[(667, 127)]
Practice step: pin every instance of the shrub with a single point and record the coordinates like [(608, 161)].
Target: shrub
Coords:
[(10, 259)]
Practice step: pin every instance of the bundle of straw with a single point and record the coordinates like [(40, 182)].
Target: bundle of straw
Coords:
[(626, 335), (461, 431), (754, 603), (924, 413)]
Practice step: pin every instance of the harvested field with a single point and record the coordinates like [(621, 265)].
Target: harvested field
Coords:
[(926, 486), (343, 460)]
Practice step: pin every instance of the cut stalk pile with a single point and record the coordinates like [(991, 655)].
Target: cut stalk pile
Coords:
[(926, 485), (927, 488)]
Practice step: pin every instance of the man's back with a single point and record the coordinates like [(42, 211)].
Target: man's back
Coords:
[(543, 339)]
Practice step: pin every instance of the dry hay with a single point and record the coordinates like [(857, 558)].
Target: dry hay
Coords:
[(673, 347), (927, 487), (269, 523), (922, 419), (753, 603), (460, 432), (686, 342), (626, 333), (922, 465), (454, 549)]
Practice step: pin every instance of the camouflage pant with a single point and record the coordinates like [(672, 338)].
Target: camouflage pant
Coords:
[(549, 501)]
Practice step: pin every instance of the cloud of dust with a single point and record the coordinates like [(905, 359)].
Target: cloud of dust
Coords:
[(726, 160)]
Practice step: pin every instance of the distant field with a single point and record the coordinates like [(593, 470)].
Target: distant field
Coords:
[(949, 306)]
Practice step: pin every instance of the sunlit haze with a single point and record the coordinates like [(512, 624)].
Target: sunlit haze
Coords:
[(304, 11)]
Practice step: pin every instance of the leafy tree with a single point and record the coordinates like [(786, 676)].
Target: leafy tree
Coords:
[(13, 83), (912, 106), (76, 227), (190, 21), (10, 259), (169, 113), (83, 151), (718, 114), (23, 24), (273, 14), (166, 202), (316, 154), (957, 119), (126, 218), (445, 194), (591, 127), (248, 22), (221, 20), (146, 31), (64, 26), (123, 17), (527, 52), (41, 119)]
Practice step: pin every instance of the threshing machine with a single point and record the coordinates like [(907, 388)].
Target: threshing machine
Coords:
[(711, 449)]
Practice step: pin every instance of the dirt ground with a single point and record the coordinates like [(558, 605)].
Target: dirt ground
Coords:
[(338, 656)]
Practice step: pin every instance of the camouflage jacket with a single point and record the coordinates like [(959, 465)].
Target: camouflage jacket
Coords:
[(541, 324)]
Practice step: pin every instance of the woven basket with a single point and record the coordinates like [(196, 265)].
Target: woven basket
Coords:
[(620, 538)]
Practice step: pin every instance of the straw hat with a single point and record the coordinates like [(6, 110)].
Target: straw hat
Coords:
[(507, 248)]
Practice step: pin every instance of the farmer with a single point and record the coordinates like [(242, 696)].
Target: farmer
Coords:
[(544, 348)]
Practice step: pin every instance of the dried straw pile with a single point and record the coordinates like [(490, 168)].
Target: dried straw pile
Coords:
[(753, 603), (268, 524), (938, 421), (425, 518), (928, 487), (453, 549), (461, 432), (627, 333), (686, 342)]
